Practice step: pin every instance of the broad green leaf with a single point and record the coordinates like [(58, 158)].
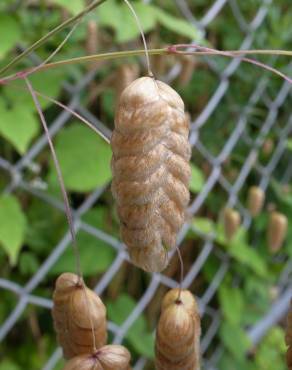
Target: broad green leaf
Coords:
[(204, 225), (84, 158), (73, 6), (117, 15), (178, 25), (28, 263), (10, 33), (231, 303), (95, 255), (9, 365), (46, 82), (18, 125), (138, 335), (289, 144), (12, 226), (271, 350), (197, 179), (244, 254), (235, 339)]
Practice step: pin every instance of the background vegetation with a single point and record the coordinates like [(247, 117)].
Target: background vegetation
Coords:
[(31, 228)]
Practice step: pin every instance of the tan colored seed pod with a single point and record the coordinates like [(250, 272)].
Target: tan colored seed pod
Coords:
[(126, 74), (187, 69), (268, 147), (177, 345), (231, 223), (74, 309), (255, 200), (277, 230), (92, 37), (151, 170), (288, 339), (109, 357)]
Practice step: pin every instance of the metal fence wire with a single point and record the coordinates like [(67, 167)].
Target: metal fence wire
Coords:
[(271, 106)]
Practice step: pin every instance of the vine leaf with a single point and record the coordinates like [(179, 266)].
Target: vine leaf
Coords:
[(12, 226), (11, 29), (84, 159), (18, 125)]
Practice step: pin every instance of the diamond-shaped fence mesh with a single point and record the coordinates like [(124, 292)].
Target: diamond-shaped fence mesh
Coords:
[(247, 132)]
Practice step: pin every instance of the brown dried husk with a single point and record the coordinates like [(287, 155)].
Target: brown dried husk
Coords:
[(109, 357), (177, 345), (255, 200), (74, 309), (277, 231), (288, 338), (151, 170), (231, 223)]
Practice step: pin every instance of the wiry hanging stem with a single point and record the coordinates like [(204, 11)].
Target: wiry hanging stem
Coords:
[(59, 174)]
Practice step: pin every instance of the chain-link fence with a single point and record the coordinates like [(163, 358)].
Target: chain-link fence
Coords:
[(259, 95)]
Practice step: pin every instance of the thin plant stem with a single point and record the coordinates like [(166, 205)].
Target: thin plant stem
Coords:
[(42, 40), (165, 51), (142, 35), (59, 174), (181, 272)]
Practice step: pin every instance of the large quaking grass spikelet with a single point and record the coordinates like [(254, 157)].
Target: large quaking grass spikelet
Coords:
[(75, 308), (151, 170), (178, 333)]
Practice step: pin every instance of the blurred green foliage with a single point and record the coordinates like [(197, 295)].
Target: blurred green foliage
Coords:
[(31, 228)]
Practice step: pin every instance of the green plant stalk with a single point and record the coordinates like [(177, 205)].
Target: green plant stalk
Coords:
[(164, 51), (41, 41)]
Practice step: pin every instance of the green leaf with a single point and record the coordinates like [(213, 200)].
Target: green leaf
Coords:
[(204, 225), (235, 339), (8, 365), (117, 15), (10, 33), (244, 254), (95, 255), (289, 144), (231, 303), (12, 226), (271, 350), (18, 125), (197, 179), (73, 6), (46, 82), (84, 158), (177, 25), (28, 263), (138, 336)]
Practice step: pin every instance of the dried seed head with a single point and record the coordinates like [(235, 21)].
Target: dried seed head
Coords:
[(74, 310), (126, 74), (178, 333), (151, 170), (277, 230), (110, 357), (183, 297), (288, 338), (255, 200), (92, 37), (231, 223), (187, 69), (268, 146)]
